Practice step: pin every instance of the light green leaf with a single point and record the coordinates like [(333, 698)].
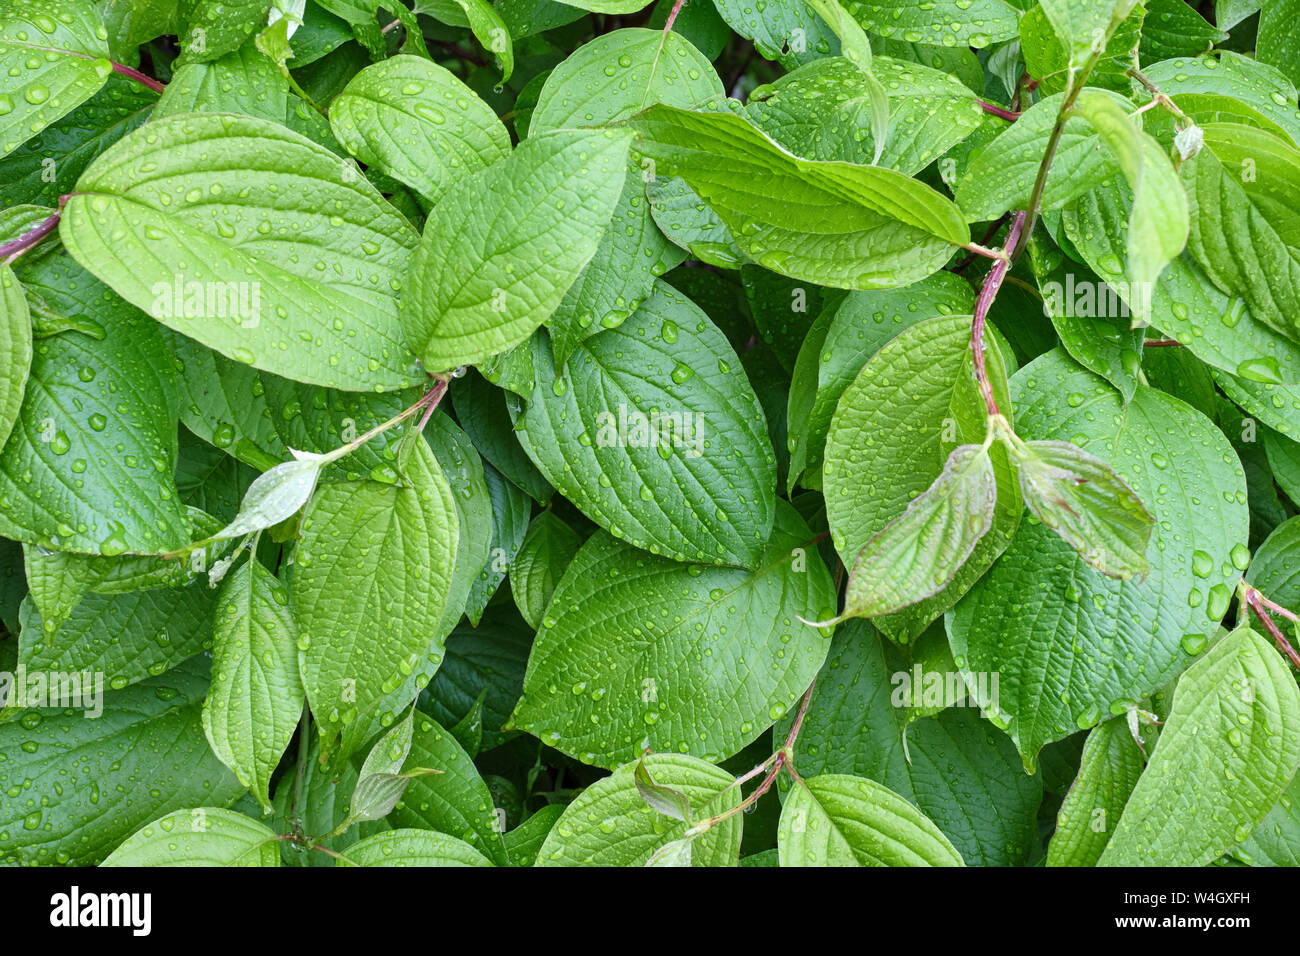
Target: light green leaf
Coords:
[(942, 23), (275, 495), (1070, 644), (1263, 88), (666, 800), (1108, 772), (836, 224), (499, 253), (490, 30), (789, 32), (168, 217), (415, 121), (147, 732), (15, 349), (369, 579), (88, 466), (610, 824), (890, 438), (1244, 233), (411, 848), (546, 552), (854, 45), (380, 783), (619, 642), (1158, 224), (202, 836), (1081, 498), (1085, 26), (1236, 710), (840, 820), (209, 29), (607, 6), (55, 53), (1276, 841), (256, 697), (920, 552), (654, 432), (243, 81)]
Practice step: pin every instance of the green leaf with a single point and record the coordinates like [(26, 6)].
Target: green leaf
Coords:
[(893, 431), (415, 121), (959, 770), (88, 466), (498, 255), (380, 782), (665, 800), (547, 550), (169, 217), (525, 840), (942, 23), (56, 55), (1081, 498), (482, 413), (1263, 88), (1174, 28), (455, 801), (874, 228), (15, 347), (148, 732), (928, 113), (1238, 709), (256, 695), (1041, 619), (511, 508), (1091, 810), (275, 495), (242, 81), (1243, 235), (610, 824), (920, 552), (1001, 176), (618, 647), (209, 29), (369, 579), (411, 848), (490, 30), (789, 32), (654, 432), (1276, 841), (1085, 26), (841, 820), (125, 638), (202, 836), (607, 6)]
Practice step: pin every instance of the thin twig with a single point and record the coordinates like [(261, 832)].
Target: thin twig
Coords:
[(989, 290)]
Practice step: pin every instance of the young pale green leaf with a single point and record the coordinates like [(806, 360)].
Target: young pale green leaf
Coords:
[(676, 853), (1110, 768), (256, 697), (547, 550), (958, 769), (890, 439), (1082, 499), (618, 639), (669, 802), (275, 495), (1237, 709), (836, 224), (201, 836), (415, 121), (1242, 234), (1041, 619), (654, 432), (380, 783), (610, 823), (370, 579), (411, 848), (840, 820), (147, 732), (254, 240), (854, 45), (1054, 62), (56, 56), (88, 466), (1158, 224), (919, 553), (498, 255)]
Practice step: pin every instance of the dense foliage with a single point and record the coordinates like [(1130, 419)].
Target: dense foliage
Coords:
[(799, 432)]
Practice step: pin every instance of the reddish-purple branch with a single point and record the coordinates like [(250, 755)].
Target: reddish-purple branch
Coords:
[(1256, 602), (1010, 115), (13, 249), (992, 282), (139, 77), (672, 14)]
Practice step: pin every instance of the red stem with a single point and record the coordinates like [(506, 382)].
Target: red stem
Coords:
[(1010, 115), (12, 250), (672, 14), (1253, 601), (139, 77), (992, 282), (1161, 343)]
